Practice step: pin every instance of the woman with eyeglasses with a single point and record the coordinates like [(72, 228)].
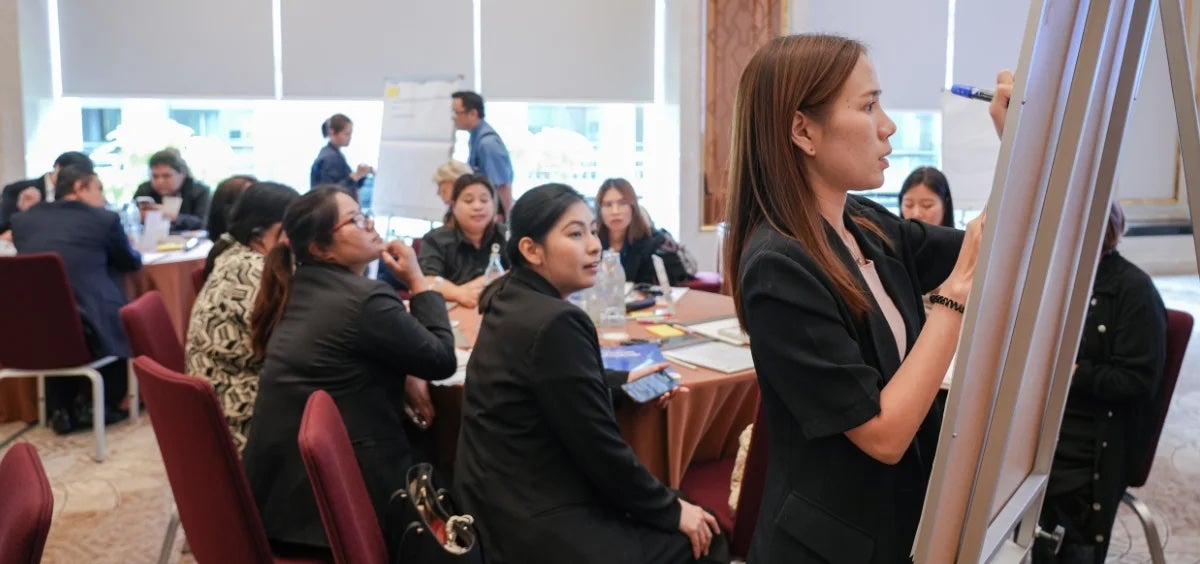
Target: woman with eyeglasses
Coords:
[(455, 255), (625, 228), (319, 324)]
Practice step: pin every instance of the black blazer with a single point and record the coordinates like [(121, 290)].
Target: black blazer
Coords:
[(350, 336), (820, 371), (638, 262), (8, 198), (193, 212), (94, 250), (1119, 372), (541, 463)]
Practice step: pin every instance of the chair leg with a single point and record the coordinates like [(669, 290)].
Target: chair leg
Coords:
[(41, 399), (97, 411), (1144, 515), (133, 392), (164, 555)]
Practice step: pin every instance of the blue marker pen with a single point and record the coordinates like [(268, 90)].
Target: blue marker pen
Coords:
[(972, 92)]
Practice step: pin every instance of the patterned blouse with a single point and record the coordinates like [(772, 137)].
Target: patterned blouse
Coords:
[(218, 339)]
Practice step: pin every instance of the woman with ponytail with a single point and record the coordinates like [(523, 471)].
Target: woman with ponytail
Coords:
[(319, 324), (218, 337), (331, 167)]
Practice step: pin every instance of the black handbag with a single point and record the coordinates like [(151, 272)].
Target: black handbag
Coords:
[(423, 527)]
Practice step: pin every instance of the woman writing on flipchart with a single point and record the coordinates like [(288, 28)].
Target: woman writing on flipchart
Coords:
[(828, 286)]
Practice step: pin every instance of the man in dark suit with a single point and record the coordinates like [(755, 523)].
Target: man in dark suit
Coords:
[(95, 250), (22, 195)]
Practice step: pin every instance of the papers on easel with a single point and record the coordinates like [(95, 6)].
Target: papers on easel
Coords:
[(722, 357)]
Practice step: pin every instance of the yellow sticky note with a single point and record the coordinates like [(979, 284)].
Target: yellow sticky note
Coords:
[(663, 331), (392, 91)]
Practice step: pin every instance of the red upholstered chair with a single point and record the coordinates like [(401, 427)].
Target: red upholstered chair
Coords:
[(214, 501), (26, 505), (1179, 332), (150, 331), (337, 482), (705, 282), (708, 484), (46, 338), (198, 278)]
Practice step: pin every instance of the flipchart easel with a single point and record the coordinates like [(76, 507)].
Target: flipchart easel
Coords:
[(1079, 67)]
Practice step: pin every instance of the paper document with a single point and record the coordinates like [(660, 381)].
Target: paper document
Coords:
[(716, 355), (725, 329)]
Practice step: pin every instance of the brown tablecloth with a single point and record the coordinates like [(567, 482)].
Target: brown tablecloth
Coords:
[(169, 273), (698, 426)]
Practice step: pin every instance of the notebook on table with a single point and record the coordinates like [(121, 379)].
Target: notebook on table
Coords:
[(717, 355)]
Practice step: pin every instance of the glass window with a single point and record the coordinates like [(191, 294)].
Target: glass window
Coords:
[(578, 144), (916, 143)]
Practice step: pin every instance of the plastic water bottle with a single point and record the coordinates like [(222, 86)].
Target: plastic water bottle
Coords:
[(494, 268), (612, 294)]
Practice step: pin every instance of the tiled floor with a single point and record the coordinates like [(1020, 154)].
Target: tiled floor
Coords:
[(117, 511)]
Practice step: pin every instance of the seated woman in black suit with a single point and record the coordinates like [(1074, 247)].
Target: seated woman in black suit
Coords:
[(626, 229), (541, 464), (326, 327), (455, 255), (1103, 437)]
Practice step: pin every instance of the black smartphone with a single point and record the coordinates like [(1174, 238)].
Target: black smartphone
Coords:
[(650, 386)]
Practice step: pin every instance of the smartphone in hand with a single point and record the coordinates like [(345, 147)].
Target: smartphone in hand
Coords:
[(650, 387)]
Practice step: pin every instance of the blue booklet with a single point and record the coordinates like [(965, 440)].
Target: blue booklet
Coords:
[(630, 357)]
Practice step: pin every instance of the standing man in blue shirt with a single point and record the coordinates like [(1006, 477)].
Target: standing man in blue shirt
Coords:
[(488, 155)]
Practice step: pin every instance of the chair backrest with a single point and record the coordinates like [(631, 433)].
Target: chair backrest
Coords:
[(754, 473), (198, 278), (150, 331), (215, 505), (26, 505), (1179, 332), (35, 289), (342, 497)]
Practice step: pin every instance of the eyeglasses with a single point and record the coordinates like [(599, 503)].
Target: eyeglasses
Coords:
[(363, 221)]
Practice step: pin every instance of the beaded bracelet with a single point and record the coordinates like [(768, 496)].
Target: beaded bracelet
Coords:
[(943, 300)]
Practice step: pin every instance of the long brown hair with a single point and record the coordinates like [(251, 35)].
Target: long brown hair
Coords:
[(309, 219), (638, 228), (767, 180)]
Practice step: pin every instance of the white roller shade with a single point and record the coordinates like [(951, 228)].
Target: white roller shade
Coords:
[(156, 48), (906, 38), (987, 38), (568, 51), (346, 49)]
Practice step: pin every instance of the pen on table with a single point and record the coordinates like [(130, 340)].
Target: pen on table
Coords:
[(972, 92)]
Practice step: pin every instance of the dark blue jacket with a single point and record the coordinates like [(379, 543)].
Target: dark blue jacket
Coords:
[(331, 168), (94, 249)]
